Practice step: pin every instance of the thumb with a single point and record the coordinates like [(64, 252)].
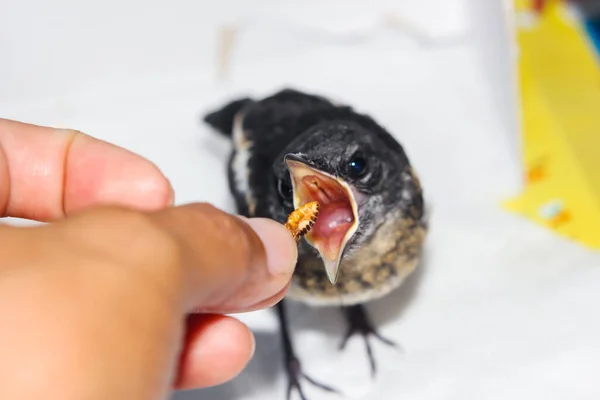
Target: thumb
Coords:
[(231, 264)]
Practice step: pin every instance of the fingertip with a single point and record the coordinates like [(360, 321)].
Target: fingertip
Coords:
[(218, 348), (280, 247)]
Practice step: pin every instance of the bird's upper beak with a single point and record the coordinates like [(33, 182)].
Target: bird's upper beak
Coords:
[(338, 211)]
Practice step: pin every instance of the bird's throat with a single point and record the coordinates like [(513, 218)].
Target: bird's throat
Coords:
[(330, 230)]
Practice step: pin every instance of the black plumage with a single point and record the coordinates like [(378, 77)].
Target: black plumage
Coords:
[(292, 145)]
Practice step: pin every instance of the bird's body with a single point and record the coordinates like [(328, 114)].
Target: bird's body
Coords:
[(291, 148)]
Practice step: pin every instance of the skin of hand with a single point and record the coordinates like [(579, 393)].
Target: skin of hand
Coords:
[(121, 295)]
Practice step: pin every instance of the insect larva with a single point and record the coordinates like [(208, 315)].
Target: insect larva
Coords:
[(302, 219)]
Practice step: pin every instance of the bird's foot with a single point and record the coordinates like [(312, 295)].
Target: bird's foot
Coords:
[(294, 373), (359, 323)]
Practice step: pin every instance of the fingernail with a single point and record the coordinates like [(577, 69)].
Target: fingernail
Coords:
[(252, 343), (280, 247), (171, 197)]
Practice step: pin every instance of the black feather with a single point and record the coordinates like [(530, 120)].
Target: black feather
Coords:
[(222, 119)]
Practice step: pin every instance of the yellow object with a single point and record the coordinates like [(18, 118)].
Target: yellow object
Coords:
[(560, 107)]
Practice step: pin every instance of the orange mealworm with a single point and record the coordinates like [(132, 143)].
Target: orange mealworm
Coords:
[(302, 219)]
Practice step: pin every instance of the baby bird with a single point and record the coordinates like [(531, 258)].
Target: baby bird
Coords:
[(293, 148)]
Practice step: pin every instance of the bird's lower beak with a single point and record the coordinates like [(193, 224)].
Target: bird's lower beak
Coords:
[(338, 211)]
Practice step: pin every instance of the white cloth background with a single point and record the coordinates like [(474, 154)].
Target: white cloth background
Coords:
[(501, 309)]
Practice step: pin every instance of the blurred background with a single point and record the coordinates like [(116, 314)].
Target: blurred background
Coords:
[(494, 102)]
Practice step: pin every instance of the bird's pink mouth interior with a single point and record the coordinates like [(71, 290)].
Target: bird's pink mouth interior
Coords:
[(336, 216)]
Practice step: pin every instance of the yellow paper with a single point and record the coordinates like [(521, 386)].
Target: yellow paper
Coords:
[(560, 99)]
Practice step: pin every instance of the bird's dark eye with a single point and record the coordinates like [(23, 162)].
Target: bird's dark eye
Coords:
[(284, 188), (357, 166)]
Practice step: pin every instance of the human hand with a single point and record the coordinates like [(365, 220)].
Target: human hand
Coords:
[(98, 304)]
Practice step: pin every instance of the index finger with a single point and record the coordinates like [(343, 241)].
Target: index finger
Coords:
[(48, 173)]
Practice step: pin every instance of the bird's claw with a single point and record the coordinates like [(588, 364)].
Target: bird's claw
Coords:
[(359, 323), (294, 372)]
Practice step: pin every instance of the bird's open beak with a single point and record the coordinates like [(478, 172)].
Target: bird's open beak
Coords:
[(338, 211)]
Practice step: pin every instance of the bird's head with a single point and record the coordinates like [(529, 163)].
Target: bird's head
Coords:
[(358, 176)]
